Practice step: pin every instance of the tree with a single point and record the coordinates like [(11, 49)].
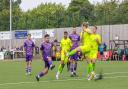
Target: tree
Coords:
[(4, 13), (81, 9)]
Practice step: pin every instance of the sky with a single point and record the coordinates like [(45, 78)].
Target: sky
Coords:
[(30, 4)]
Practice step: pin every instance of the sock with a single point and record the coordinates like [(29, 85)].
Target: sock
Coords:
[(93, 66), (71, 68), (41, 74), (60, 69), (26, 69), (75, 67), (50, 63), (29, 69), (72, 52), (90, 68)]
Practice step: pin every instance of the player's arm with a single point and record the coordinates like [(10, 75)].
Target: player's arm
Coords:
[(79, 40), (41, 48), (81, 36), (98, 40)]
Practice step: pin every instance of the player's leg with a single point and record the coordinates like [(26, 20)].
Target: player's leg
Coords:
[(72, 66), (51, 63), (44, 71), (75, 67), (74, 51), (61, 66), (93, 57), (26, 69), (89, 66), (75, 64), (68, 66), (30, 64)]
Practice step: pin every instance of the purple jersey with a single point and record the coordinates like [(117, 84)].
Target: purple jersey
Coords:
[(29, 46), (46, 49), (75, 38)]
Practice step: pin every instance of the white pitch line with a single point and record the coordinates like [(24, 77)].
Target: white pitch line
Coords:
[(115, 73), (116, 77), (59, 80)]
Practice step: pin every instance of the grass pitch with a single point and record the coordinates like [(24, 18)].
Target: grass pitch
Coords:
[(12, 76)]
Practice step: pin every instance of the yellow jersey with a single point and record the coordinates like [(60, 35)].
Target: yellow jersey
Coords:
[(85, 37), (65, 45), (94, 43)]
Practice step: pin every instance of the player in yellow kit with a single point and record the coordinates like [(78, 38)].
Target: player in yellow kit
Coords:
[(86, 46), (65, 45), (95, 42)]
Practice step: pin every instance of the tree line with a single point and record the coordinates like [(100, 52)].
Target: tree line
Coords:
[(52, 15)]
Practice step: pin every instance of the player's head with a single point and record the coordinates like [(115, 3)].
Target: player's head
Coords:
[(74, 30), (65, 34), (29, 36), (46, 38), (85, 25), (94, 29)]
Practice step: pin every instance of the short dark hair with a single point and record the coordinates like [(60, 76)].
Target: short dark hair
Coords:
[(46, 35), (95, 27), (85, 24), (65, 32), (29, 34)]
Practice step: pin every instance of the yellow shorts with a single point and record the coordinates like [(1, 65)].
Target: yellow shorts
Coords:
[(93, 54), (85, 49), (64, 57)]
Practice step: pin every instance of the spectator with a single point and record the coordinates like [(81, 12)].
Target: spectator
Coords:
[(105, 46), (115, 54), (2, 49), (118, 53), (101, 50), (116, 40), (37, 50), (126, 53)]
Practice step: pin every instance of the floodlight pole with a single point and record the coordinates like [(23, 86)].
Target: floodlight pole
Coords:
[(10, 46)]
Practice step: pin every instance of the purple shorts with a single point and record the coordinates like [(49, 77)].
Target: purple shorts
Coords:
[(74, 57), (29, 58), (46, 64)]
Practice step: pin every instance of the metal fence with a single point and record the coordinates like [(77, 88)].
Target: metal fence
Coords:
[(107, 32)]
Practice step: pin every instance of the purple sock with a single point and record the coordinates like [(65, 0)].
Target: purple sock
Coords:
[(50, 62), (75, 67), (41, 74), (29, 69)]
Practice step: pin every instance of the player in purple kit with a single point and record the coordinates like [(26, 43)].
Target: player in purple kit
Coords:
[(29, 48), (75, 38), (46, 48)]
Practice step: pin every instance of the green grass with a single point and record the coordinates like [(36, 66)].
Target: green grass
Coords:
[(12, 76)]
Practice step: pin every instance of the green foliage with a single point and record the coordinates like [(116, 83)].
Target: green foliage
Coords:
[(51, 15)]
